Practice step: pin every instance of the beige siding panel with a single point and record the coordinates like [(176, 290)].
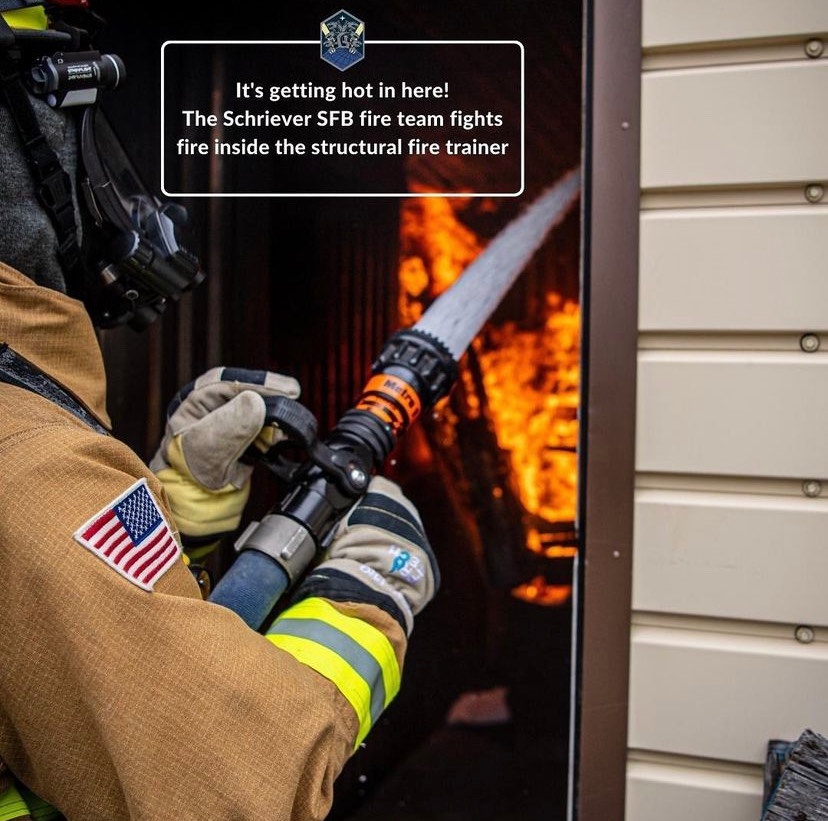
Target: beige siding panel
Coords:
[(730, 555), (685, 22), (740, 269), (733, 413), (734, 125), (656, 792), (719, 695)]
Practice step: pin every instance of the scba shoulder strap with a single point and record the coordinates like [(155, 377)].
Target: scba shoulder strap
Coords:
[(18, 371), (53, 187), (15, 5)]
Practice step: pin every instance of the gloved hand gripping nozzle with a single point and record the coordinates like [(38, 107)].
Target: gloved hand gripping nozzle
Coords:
[(413, 371), (416, 368)]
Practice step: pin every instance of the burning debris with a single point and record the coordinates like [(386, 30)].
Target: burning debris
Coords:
[(519, 393), (531, 379)]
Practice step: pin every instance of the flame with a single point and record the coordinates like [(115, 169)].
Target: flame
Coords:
[(532, 382), (538, 591), (436, 248), (530, 375), (545, 545)]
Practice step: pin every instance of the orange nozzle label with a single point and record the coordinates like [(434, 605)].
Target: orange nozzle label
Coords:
[(392, 400)]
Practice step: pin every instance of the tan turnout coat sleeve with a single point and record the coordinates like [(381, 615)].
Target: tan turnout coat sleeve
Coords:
[(118, 703)]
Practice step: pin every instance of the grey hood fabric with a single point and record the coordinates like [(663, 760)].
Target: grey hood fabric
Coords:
[(27, 240)]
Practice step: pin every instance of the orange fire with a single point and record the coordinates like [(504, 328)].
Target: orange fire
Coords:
[(538, 591), (436, 248), (530, 375), (531, 381)]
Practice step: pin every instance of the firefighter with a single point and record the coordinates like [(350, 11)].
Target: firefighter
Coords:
[(123, 693)]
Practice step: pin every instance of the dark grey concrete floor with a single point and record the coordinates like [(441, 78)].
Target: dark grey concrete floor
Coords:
[(473, 774)]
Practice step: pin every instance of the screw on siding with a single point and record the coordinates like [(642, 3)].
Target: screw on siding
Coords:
[(811, 487), (814, 192), (804, 634), (814, 48), (809, 343)]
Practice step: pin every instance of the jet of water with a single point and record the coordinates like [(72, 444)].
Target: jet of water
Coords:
[(459, 313)]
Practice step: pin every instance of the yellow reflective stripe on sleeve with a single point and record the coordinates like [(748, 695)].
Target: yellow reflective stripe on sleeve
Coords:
[(364, 634), (31, 18), (39, 810), (354, 655), (12, 805), (333, 667)]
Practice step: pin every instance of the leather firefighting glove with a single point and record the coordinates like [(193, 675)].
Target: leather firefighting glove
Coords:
[(211, 423), (379, 555)]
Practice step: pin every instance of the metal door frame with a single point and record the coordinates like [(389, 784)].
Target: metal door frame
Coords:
[(612, 81)]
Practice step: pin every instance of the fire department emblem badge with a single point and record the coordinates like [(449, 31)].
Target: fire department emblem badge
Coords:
[(342, 40)]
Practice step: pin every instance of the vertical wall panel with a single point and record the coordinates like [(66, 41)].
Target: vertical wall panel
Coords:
[(666, 791), (734, 125), (756, 558), (734, 269), (733, 413), (729, 545), (721, 695), (679, 22)]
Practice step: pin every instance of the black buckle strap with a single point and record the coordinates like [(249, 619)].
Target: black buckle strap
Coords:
[(53, 186), (18, 371), (14, 5)]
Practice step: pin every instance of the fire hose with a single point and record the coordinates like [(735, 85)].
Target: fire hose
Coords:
[(415, 369)]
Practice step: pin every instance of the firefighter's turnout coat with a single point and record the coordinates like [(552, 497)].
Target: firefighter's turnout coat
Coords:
[(122, 693)]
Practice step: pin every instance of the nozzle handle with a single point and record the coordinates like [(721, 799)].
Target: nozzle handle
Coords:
[(413, 371)]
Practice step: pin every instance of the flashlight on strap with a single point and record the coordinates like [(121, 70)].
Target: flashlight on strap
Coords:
[(76, 78)]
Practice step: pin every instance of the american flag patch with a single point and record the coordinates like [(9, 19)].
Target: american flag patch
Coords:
[(131, 535)]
